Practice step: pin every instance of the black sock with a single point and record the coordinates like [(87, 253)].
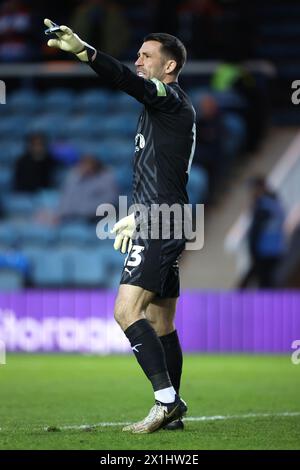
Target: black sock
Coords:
[(149, 352), (174, 358)]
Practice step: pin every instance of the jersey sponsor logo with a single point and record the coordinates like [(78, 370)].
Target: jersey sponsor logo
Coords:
[(161, 91), (139, 142)]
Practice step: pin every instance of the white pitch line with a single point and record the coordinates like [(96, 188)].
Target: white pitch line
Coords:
[(196, 418)]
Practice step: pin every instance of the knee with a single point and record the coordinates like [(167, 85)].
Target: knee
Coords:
[(125, 314)]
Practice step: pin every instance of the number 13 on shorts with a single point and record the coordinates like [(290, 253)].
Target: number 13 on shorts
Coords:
[(134, 258)]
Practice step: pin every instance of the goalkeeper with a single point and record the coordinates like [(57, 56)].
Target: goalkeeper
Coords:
[(164, 145)]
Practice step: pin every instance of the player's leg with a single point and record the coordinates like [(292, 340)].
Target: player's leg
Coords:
[(130, 307), (131, 304), (161, 314)]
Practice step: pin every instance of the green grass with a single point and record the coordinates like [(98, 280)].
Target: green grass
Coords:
[(43, 390)]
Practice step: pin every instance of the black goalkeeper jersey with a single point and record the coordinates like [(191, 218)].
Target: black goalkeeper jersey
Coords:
[(165, 138)]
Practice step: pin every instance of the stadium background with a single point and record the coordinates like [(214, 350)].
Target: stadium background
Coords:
[(58, 280)]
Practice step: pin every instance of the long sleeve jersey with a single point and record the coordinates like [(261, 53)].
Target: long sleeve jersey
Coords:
[(165, 137)]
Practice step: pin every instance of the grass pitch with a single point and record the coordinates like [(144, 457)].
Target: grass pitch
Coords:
[(237, 402)]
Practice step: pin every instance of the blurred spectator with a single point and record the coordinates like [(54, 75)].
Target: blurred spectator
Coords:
[(234, 78), (34, 170), (288, 275), (87, 185), (199, 27), (16, 32), (218, 30), (209, 137), (266, 237), (102, 24)]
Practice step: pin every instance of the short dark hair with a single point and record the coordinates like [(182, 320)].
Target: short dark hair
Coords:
[(171, 46)]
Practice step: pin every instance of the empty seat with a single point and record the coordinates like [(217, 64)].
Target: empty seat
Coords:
[(87, 267), (25, 100), (116, 151), (47, 267), (8, 234), (14, 260), (14, 126), (120, 125), (94, 99), (112, 259), (61, 99), (6, 178), (51, 124), (123, 102), (36, 233), (11, 150), (18, 204), (124, 176), (77, 233), (10, 279), (47, 199), (84, 125)]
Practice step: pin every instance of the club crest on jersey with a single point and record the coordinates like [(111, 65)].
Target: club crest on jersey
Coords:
[(139, 142)]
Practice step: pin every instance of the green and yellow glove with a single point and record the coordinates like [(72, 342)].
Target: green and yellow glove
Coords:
[(68, 41), (125, 230)]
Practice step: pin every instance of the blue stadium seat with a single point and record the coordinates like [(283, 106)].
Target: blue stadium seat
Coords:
[(11, 150), (10, 280), (36, 233), (18, 204), (61, 99), (84, 125), (15, 260), (197, 187), (6, 178), (87, 267), (123, 102), (77, 233), (114, 280), (48, 267), (52, 124), (8, 234), (97, 129), (120, 125), (25, 101), (13, 127), (116, 151), (112, 259), (94, 100), (47, 199), (32, 252), (124, 176)]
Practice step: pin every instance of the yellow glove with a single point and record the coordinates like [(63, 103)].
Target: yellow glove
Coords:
[(68, 41), (125, 230)]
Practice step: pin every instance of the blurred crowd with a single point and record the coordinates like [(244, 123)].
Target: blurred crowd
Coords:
[(71, 177), (273, 238), (209, 28)]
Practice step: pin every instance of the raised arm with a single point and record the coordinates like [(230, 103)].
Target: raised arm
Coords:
[(113, 73)]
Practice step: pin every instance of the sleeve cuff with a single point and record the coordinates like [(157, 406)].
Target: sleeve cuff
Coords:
[(88, 54), (91, 52)]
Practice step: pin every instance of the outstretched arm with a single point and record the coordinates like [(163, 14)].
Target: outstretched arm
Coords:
[(113, 73)]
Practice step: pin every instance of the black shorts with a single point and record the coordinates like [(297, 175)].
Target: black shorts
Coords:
[(153, 265)]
